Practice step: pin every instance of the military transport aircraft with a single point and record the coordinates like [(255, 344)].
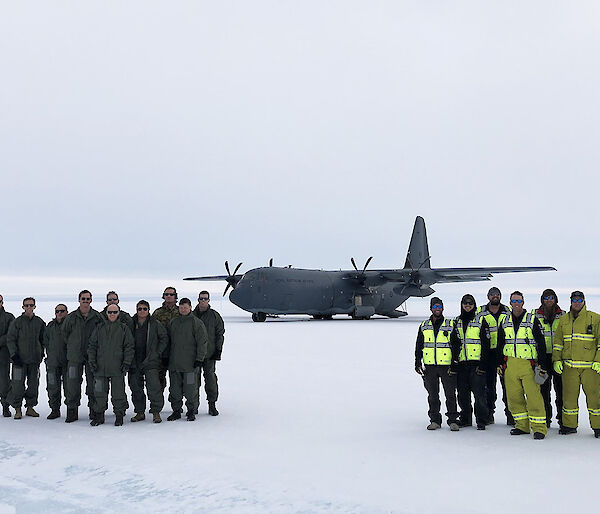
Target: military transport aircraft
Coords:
[(358, 293)]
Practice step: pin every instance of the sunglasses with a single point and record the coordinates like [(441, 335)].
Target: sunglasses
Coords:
[(168, 294), (112, 312), (516, 301), (436, 306), (468, 303), (58, 311), (550, 297), (577, 300), (142, 308), (85, 299)]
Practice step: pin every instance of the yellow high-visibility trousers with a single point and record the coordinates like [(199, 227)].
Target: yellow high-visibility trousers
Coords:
[(525, 400), (572, 379)]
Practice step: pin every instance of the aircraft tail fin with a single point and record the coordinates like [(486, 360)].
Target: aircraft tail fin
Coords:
[(418, 250)]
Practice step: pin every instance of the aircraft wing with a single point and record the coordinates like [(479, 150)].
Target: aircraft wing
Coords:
[(478, 274), (214, 277)]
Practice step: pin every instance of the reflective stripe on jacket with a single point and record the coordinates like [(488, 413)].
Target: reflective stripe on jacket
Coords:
[(436, 350), (470, 339), (522, 344)]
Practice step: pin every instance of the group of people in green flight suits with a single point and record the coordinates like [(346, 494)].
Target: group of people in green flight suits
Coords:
[(532, 352), (106, 347)]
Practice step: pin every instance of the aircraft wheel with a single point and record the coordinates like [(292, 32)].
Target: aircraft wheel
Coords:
[(317, 316), (327, 316), (254, 317), (260, 316)]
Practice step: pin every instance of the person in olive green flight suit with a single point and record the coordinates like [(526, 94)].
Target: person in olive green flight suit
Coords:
[(110, 354), (24, 341), (188, 342), (215, 329), (55, 347), (6, 318), (150, 341)]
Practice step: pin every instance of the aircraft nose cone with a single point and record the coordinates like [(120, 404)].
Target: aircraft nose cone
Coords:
[(239, 297)]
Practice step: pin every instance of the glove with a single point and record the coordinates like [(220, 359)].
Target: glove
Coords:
[(558, 367), (216, 356), (479, 371), (500, 370), (419, 369), (16, 360), (596, 367), (452, 371), (198, 364), (124, 368)]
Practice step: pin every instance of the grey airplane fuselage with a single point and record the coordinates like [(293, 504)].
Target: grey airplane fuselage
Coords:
[(274, 290)]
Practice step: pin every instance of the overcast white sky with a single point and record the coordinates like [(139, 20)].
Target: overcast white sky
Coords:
[(157, 139)]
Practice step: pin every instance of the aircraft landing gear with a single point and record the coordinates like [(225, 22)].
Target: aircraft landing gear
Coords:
[(259, 316), (322, 316)]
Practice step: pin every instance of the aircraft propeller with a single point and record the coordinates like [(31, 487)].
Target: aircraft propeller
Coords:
[(366, 264), (231, 280)]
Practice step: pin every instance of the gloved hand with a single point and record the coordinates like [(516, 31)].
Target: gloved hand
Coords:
[(16, 360), (419, 369), (124, 368), (198, 364), (479, 371), (558, 367), (500, 370), (452, 371), (216, 356), (596, 367)]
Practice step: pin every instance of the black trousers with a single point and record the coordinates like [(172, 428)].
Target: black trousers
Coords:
[(431, 379), (490, 381), (546, 388), (469, 382)]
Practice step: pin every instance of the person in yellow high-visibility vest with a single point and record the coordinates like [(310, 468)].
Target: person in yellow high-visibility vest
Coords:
[(522, 346), (576, 355), (493, 313), (548, 314), (432, 349)]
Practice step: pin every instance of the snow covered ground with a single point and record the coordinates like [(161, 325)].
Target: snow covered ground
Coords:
[(316, 416)]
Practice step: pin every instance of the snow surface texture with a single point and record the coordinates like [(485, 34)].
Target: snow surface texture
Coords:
[(316, 416)]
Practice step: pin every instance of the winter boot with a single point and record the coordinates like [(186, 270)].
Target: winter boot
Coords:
[(6, 411), (480, 426), (190, 416), (72, 415), (139, 416), (176, 415), (433, 426), (490, 419), (55, 413), (567, 430), (517, 431), (18, 413), (31, 412), (92, 414), (538, 435), (597, 433), (212, 409), (454, 427), (119, 420), (98, 419), (156, 417)]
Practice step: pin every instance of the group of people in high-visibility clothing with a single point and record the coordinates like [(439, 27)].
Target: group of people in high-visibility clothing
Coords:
[(531, 351)]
